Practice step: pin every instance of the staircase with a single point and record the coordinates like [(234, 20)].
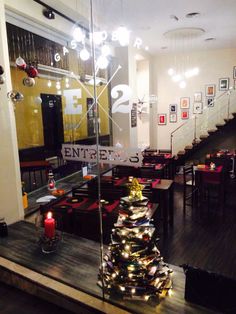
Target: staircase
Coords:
[(200, 128)]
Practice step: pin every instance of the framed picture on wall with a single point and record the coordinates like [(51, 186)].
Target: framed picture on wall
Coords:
[(234, 72), (184, 102), (173, 117), (210, 90), (161, 119), (197, 97), (197, 108), (210, 101), (223, 84), (184, 114), (173, 108)]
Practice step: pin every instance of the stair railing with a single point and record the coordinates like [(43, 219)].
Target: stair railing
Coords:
[(199, 125)]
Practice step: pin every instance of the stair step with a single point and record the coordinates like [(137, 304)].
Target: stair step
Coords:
[(197, 141), (181, 153), (220, 125), (228, 119), (212, 130), (188, 147), (203, 136)]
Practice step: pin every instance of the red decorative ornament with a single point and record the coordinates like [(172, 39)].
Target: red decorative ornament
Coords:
[(31, 71)]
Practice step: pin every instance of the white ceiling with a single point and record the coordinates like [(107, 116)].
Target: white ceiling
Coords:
[(150, 19)]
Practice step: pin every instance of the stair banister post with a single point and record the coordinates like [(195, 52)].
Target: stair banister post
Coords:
[(229, 94), (195, 129)]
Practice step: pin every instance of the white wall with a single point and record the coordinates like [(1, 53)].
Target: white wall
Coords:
[(143, 94), (10, 185), (213, 64)]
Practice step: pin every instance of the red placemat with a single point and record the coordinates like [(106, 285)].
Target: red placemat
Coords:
[(159, 166), (119, 181), (65, 202)]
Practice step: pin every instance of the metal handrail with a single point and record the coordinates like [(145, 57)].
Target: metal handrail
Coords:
[(204, 108)]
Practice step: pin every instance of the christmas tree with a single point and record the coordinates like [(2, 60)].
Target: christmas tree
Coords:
[(133, 267)]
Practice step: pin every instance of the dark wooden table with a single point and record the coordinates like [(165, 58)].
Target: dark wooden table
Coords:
[(76, 263)]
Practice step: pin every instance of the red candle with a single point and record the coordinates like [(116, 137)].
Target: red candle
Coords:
[(49, 225)]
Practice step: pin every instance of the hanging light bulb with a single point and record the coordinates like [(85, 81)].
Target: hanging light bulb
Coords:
[(49, 83), (182, 84), (58, 85), (78, 34), (84, 54), (123, 36), (102, 62), (106, 51), (171, 72), (176, 77)]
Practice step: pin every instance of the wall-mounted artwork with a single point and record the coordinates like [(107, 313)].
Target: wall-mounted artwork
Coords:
[(210, 101), (184, 114), (184, 102), (197, 97), (234, 72), (161, 119), (197, 108), (223, 84), (210, 90), (173, 108), (173, 117)]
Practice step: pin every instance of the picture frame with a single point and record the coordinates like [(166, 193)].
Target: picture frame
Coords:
[(223, 84), (234, 72), (173, 117), (173, 108), (210, 90), (161, 119), (197, 108), (197, 97), (209, 102), (184, 114), (184, 103)]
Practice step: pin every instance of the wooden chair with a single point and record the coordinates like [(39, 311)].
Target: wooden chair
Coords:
[(190, 191)]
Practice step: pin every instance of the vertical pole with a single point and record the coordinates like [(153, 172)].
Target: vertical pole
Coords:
[(97, 147), (229, 94), (195, 129)]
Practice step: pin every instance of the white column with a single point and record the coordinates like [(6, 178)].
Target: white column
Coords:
[(10, 183)]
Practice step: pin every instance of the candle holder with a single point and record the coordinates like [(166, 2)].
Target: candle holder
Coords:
[(48, 244)]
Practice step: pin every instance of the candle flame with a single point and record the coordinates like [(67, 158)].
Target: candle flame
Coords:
[(49, 215)]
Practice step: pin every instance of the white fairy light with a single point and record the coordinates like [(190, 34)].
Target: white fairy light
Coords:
[(84, 54), (102, 62), (78, 34), (106, 51)]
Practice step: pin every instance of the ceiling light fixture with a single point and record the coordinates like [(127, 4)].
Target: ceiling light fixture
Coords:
[(210, 39), (48, 13), (192, 14)]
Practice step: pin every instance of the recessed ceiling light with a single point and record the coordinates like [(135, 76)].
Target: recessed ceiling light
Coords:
[(174, 17), (146, 48), (210, 39), (192, 14)]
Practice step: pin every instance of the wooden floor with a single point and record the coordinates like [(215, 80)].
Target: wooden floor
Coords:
[(201, 238)]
